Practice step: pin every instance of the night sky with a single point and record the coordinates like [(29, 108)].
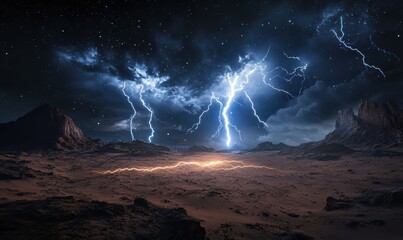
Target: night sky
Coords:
[(290, 57)]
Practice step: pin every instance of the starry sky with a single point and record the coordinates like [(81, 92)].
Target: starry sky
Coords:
[(292, 65)]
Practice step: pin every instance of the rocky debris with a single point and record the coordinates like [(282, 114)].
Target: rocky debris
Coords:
[(295, 236), (10, 169), (68, 218), (197, 148), (265, 214), (135, 148), (293, 215), (45, 127), (254, 226), (390, 197), (377, 126), (213, 194), (337, 204), (269, 146), (140, 202)]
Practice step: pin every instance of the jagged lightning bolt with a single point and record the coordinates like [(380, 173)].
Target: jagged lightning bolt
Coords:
[(254, 110), (150, 111), (134, 110), (196, 125), (217, 165), (219, 119), (288, 76), (230, 98), (260, 67), (341, 40), (236, 83), (386, 52)]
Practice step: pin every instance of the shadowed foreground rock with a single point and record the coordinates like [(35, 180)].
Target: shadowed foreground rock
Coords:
[(67, 218), (10, 169), (337, 204)]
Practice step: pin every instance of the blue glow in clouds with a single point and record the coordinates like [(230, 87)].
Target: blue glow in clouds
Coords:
[(237, 81)]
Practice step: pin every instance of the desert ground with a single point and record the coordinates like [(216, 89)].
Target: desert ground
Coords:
[(276, 196)]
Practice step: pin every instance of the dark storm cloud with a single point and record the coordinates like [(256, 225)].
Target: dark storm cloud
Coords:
[(77, 55), (311, 116)]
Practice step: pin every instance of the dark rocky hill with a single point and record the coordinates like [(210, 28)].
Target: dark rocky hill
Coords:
[(269, 146), (197, 148), (45, 127), (376, 126)]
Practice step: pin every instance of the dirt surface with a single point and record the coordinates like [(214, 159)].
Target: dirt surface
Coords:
[(279, 197)]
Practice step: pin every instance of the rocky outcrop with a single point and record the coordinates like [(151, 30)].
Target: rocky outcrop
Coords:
[(45, 127), (68, 218), (347, 120), (385, 115), (377, 126)]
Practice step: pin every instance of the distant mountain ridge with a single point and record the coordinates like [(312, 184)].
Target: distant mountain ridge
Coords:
[(45, 127), (134, 148), (376, 126), (269, 146)]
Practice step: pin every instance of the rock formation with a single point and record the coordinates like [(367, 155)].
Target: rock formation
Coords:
[(45, 127), (377, 126), (69, 218)]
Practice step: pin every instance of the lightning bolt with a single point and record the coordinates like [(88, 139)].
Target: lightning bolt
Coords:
[(134, 110), (236, 83), (341, 40), (232, 90), (288, 76), (150, 111), (196, 125), (219, 119), (254, 110), (386, 52), (218, 165)]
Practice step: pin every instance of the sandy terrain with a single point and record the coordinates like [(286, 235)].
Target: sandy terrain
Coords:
[(284, 200)]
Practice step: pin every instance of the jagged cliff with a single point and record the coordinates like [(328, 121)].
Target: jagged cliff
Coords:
[(377, 125), (44, 127)]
